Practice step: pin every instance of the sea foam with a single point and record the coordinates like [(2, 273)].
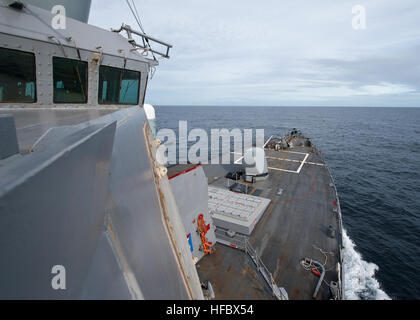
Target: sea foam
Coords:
[(359, 275)]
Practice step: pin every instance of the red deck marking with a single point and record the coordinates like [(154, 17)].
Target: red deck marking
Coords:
[(178, 174), (305, 195)]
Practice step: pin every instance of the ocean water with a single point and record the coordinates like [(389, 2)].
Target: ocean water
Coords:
[(374, 155)]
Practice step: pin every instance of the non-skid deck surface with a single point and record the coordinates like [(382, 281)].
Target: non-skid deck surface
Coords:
[(293, 227)]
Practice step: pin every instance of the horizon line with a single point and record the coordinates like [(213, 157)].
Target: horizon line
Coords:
[(279, 106)]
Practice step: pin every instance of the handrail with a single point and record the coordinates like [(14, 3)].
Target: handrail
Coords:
[(242, 243), (277, 292), (130, 31)]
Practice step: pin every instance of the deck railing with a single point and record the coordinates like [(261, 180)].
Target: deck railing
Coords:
[(279, 293), (146, 41), (242, 243)]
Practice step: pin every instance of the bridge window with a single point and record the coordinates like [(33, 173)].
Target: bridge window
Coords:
[(70, 80), (118, 86), (17, 76)]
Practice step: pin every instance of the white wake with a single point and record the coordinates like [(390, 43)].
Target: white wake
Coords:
[(359, 275)]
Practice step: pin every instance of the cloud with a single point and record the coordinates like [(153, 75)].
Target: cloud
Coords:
[(290, 52)]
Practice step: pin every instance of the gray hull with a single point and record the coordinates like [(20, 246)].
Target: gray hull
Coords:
[(88, 199)]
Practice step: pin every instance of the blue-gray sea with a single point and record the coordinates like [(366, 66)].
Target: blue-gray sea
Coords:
[(374, 155)]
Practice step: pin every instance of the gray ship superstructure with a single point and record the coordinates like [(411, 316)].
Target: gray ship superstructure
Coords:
[(81, 189)]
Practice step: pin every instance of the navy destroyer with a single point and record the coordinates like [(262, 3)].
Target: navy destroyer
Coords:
[(87, 211)]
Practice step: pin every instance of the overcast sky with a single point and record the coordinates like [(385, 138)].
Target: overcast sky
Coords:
[(280, 53)]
